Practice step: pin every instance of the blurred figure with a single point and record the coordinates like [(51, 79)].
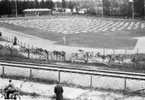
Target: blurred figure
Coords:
[(9, 89), (64, 39), (15, 41), (0, 34), (58, 91)]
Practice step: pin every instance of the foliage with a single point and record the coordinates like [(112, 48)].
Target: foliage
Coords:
[(110, 7), (7, 7)]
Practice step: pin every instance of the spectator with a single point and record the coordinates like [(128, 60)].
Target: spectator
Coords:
[(58, 91), (0, 34), (15, 41)]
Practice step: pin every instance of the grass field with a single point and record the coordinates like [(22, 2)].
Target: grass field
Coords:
[(102, 39)]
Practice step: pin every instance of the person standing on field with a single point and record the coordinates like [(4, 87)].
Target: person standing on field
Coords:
[(58, 91)]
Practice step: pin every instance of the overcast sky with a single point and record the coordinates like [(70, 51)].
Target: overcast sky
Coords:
[(52, 0), (56, 0)]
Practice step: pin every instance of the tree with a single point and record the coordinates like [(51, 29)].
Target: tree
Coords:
[(139, 7), (6, 7), (106, 7), (42, 4), (36, 4), (63, 4), (49, 4), (71, 5), (125, 9)]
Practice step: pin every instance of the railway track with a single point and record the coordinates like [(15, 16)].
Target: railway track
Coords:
[(81, 70)]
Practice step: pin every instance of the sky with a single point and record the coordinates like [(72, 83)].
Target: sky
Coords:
[(54, 0), (57, 0)]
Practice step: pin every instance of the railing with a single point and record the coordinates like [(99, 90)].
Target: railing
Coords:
[(60, 72), (73, 70)]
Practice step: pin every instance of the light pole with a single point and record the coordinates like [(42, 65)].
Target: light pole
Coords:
[(132, 7), (144, 8), (102, 8), (16, 7)]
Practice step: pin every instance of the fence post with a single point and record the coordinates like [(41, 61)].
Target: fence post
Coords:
[(103, 51), (113, 51), (125, 85), (32, 47), (51, 55), (3, 72), (137, 50), (46, 54), (24, 45), (58, 75), (65, 57), (28, 53), (18, 42), (11, 52), (28, 46), (91, 81), (21, 44), (30, 76), (125, 52), (12, 40)]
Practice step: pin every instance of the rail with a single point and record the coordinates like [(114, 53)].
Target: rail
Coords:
[(86, 71)]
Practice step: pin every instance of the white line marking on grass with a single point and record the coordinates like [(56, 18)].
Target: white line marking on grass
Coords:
[(136, 25), (143, 25), (125, 25), (131, 26)]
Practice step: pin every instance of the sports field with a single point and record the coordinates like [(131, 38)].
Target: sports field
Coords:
[(81, 31)]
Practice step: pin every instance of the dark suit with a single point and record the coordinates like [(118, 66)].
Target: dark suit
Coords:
[(58, 91)]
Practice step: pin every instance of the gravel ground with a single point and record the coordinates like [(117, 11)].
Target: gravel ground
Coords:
[(45, 91)]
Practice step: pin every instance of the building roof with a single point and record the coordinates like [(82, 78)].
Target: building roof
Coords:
[(44, 9)]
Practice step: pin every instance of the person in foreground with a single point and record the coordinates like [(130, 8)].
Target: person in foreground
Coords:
[(58, 91), (9, 89)]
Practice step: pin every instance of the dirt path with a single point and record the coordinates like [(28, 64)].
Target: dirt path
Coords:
[(45, 92), (50, 45)]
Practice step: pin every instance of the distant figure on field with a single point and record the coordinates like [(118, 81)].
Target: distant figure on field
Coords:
[(0, 34), (64, 39), (58, 91), (9, 89), (15, 41)]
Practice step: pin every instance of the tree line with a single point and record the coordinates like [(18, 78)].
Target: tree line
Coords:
[(110, 7), (123, 7), (7, 7)]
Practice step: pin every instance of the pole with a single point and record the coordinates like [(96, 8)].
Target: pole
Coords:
[(58, 75), (30, 76), (125, 85), (90, 81), (16, 7), (132, 9), (144, 8), (102, 9), (3, 72)]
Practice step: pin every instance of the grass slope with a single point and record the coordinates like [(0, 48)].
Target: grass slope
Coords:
[(117, 39)]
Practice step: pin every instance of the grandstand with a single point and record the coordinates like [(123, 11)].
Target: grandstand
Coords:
[(37, 12)]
